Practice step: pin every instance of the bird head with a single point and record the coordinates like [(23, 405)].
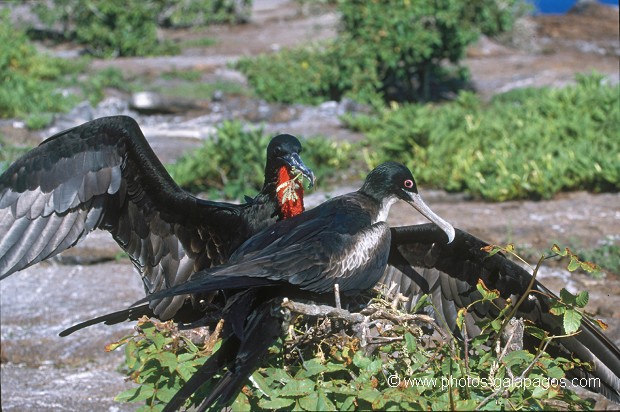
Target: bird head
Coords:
[(286, 169), (392, 181)]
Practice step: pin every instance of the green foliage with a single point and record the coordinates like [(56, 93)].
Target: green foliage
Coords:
[(8, 154), (129, 27), (36, 85), (93, 85), (29, 89), (527, 143), (160, 360), (321, 364), (304, 75), (108, 27), (231, 164), (187, 13), (385, 50), (606, 255)]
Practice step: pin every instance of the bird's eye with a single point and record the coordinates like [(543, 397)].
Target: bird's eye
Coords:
[(408, 183)]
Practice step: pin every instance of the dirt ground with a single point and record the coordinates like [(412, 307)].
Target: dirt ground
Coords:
[(43, 372)]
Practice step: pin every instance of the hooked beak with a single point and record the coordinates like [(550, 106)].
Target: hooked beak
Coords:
[(417, 202), (295, 162)]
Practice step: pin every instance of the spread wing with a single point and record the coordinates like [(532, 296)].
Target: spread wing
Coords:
[(104, 175), (420, 262), (332, 243)]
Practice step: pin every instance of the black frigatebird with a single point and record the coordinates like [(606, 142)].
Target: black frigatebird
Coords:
[(421, 262), (104, 175), (344, 241)]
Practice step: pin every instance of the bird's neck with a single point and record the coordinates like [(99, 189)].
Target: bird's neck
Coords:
[(289, 193), (384, 208)]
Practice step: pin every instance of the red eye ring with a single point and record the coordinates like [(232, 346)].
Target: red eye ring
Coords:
[(408, 183)]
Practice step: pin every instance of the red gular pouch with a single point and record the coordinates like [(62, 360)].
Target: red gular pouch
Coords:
[(290, 191)]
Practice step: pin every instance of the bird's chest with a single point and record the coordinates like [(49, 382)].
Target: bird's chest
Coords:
[(363, 264)]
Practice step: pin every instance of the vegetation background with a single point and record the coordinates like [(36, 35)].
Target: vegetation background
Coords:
[(414, 104)]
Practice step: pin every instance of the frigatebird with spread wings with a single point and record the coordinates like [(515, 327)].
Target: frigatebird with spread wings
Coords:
[(104, 175)]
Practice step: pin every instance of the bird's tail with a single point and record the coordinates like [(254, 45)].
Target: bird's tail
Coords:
[(131, 314)]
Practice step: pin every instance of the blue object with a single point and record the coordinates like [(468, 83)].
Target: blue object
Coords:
[(561, 6)]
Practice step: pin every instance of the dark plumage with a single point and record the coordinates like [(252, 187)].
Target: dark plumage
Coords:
[(422, 263), (104, 175), (344, 241)]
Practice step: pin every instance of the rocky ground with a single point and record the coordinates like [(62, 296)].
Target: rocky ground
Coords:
[(43, 372)]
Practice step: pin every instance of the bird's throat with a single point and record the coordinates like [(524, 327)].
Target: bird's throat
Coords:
[(290, 192)]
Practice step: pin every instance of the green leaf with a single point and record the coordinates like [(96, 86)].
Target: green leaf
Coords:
[(241, 403), (159, 340), (567, 297), (518, 357), (298, 387), (311, 368), (334, 367), (556, 249), (486, 293), (277, 403), (360, 360), (348, 404), (166, 393), (168, 360), (535, 331), (574, 264), (186, 357), (127, 395), (262, 384), (555, 372), (572, 320), (460, 317), (411, 343), (369, 395), (422, 302), (496, 324), (557, 308), (582, 299), (323, 403), (185, 371), (465, 405), (140, 393), (539, 392)]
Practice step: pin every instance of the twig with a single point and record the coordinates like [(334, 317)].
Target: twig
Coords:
[(337, 295), (322, 310)]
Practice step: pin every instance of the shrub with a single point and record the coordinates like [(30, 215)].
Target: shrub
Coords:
[(37, 85), (231, 164), (108, 28), (321, 364), (29, 78), (390, 50), (129, 27), (527, 143), (188, 13), (303, 75)]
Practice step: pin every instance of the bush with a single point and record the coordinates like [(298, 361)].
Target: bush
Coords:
[(392, 51), (236, 162), (107, 28), (37, 85), (530, 143), (29, 78), (129, 27), (321, 364), (188, 13)]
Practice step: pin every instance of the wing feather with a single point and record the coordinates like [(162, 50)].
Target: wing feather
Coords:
[(449, 273), (103, 174)]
